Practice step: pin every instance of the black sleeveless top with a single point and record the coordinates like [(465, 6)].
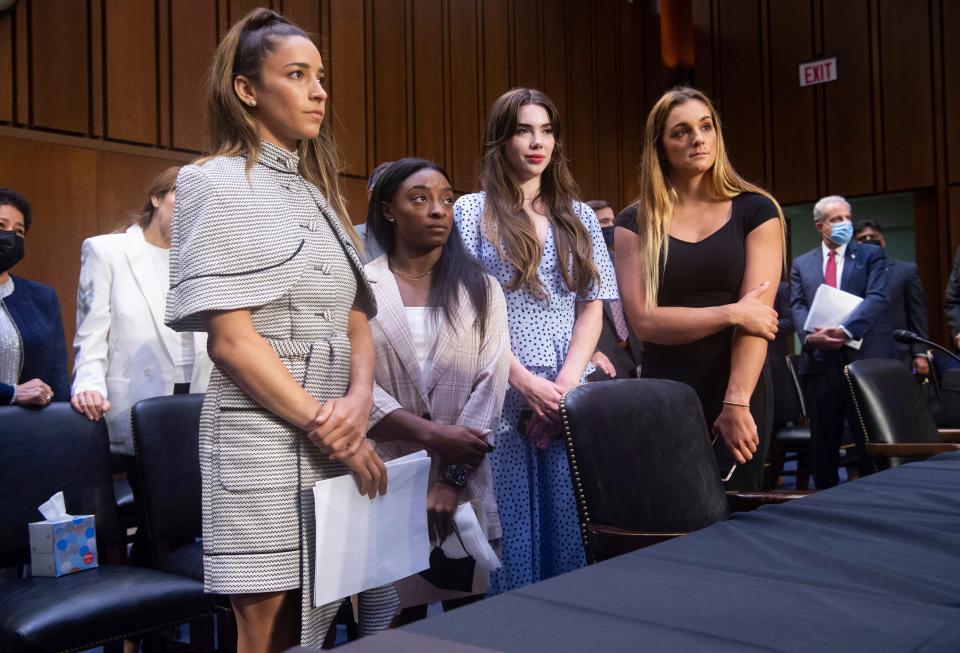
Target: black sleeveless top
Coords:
[(697, 275), (707, 273)]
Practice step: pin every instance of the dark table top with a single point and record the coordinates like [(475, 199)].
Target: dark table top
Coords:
[(870, 565)]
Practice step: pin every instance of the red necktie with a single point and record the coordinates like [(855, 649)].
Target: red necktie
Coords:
[(830, 275), (619, 320)]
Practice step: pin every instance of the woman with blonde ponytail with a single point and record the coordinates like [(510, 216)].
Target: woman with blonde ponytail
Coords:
[(263, 259), (547, 251), (698, 259)]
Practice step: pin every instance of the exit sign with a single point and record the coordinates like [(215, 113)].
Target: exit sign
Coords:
[(818, 72)]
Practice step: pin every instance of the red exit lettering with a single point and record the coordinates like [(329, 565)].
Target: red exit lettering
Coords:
[(818, 72)]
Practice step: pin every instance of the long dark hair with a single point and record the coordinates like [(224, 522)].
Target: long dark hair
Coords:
[(456, 266), (507, 226)]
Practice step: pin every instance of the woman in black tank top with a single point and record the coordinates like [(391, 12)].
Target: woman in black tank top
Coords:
[(698, 272)]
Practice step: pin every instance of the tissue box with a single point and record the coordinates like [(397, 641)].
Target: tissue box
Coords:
[(63, 546)]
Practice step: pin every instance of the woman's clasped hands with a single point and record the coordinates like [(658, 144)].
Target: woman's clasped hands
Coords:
[(339, 429), (543, 396)]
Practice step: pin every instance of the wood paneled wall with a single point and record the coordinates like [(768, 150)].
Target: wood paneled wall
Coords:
[(112, 90), (884, 126), (96, 96)]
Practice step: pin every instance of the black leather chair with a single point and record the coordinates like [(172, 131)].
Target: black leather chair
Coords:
[(166, 445), (53, 449), (126, 506), (642, 465), (791, 434), (896, 423)]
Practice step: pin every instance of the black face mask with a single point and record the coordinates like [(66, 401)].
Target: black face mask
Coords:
[(871, 241), (450, 573), (11, 249), (608, 235)]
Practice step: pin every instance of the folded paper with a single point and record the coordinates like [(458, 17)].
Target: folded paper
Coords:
[(363, 543)]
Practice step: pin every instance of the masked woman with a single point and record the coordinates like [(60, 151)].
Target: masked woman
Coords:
[(33, 356)]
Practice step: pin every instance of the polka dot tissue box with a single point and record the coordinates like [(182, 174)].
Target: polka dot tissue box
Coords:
[(62, 544)]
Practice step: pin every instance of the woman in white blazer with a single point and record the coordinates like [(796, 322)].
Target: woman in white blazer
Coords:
[(124, 351), (443, 356)]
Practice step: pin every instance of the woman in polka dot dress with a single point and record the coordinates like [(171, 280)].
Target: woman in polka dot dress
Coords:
[(547, 251)]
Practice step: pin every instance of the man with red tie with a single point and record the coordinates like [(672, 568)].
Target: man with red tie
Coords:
[(860, 270)]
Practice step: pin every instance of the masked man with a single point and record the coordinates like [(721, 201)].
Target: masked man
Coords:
[(857, 269)]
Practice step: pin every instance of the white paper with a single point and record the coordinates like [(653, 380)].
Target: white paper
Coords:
[(473, 539), (54, 508), (364, 543), (830, 307)]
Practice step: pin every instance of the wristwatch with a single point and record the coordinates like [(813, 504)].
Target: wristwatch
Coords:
[(455, 475)]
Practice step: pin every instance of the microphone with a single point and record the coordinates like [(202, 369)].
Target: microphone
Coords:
[(910, 338)]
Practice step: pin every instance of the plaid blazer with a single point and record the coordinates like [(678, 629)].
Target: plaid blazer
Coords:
[(466, 385)]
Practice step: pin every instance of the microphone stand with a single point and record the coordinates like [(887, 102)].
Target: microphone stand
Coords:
[(908, 338)]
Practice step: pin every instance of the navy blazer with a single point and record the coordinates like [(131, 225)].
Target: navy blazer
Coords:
[(864, 274), (36, 312), (908, 305), (624, 359), (781, 304)]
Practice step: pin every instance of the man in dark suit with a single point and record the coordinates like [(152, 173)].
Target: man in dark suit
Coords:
[(908, 305), (856, 269), (951, 305), (780, 346), (620, 355), (618, 350)]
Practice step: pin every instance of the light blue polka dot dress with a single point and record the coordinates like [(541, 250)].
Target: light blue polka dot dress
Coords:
[(541, 536)]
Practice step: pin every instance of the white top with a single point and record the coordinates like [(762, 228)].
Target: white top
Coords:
[(423, 329), (826, 257), (159, 261)]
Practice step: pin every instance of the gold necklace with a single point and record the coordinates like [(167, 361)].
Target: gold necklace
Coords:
[(410, 277)]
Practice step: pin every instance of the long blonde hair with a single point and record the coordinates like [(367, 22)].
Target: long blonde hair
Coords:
[(658, 197), (231, 130), (507, 225)]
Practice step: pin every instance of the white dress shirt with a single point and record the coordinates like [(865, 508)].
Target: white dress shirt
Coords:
[(840, 251)]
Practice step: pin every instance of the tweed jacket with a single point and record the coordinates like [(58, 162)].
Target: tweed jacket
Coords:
[(466, 385), (264, 240)]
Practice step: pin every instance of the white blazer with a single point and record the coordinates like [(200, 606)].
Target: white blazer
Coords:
[(123, 349)]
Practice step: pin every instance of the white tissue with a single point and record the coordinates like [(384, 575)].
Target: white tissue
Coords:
[(473, 539), (54, 508)]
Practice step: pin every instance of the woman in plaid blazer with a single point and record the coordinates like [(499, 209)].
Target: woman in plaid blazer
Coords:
[(443, 353)]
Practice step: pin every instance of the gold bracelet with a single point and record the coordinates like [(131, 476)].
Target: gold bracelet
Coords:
[(735, 403)]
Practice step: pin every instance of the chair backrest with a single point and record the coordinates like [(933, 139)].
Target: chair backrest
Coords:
[(941, 362), (640, 456), (787, 407), (166, 441), (793, 360), (889, 404), (44, 451)]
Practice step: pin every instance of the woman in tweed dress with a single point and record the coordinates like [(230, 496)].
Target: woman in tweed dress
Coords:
[(263, 259)]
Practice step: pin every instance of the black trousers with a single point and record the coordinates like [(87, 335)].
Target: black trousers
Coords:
[(829, 408)]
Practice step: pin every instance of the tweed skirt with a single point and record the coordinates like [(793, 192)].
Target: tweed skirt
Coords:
[(259, 529)]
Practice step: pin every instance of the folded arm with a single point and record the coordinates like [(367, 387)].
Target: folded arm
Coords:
[(677, 325)]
